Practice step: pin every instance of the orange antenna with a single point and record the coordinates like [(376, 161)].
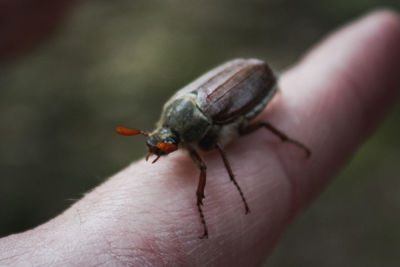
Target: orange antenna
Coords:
[(129, 131)]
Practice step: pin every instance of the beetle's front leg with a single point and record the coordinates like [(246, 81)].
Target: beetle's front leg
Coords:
[(258, 124), (200, 188)]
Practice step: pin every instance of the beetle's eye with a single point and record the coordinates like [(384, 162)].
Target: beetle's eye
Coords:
[(170, 140)]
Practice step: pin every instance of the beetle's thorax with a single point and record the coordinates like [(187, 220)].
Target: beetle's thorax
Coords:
[(184, 119)]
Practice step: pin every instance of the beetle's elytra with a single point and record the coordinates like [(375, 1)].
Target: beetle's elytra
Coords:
[(210, 112)]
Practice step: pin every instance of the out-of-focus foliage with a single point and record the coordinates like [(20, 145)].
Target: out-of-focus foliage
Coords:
[(116, 62)]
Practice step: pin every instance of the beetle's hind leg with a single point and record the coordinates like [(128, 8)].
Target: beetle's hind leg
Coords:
[(200, 188), (231, 175), (258, 124)]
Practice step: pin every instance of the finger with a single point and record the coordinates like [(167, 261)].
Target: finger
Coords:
[(327, 102), (146, 214), (340, 91)]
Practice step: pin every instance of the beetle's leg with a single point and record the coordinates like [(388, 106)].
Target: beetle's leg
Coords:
[(231, 175), (200, 188), (258, 124)]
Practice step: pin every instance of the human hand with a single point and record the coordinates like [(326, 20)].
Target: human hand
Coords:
[(146, 214)]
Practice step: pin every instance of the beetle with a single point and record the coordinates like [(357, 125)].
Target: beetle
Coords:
[(212, 111)]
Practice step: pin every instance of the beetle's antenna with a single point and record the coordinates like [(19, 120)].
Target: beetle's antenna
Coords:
[(129, 131)]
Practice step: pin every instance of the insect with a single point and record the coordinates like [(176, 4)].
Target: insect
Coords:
[(212, 111)]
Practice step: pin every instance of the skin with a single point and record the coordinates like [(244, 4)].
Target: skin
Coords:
[(146, 214)]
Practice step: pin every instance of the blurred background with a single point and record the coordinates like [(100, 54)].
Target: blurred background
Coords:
[(72, 70)]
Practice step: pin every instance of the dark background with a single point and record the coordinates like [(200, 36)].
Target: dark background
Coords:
[(69, 78)]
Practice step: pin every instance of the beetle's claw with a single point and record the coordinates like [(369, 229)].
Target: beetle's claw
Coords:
[(148, 155), (154, 161), (247, 210), (205, 235), (308, 151)]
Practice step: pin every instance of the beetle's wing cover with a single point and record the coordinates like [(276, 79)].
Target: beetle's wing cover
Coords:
[(211, 75), (234, 89)]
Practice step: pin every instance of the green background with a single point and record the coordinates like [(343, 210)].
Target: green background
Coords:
[(116, 62)]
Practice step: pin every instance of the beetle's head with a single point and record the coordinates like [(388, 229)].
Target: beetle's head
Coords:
[(160, 142)]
